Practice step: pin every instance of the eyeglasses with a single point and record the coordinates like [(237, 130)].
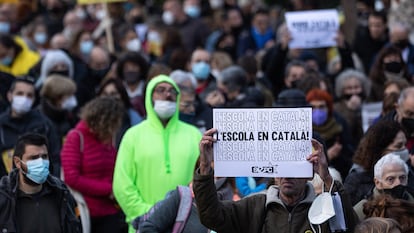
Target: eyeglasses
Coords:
[(163, 91)]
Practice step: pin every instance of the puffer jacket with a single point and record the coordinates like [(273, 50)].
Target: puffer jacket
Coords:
[(260, 213), (8, 196)]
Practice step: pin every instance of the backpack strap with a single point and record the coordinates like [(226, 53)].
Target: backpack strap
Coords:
[(80, 139), (186, 201)]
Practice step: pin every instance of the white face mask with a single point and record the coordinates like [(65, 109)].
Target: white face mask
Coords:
[(404, 154), (322, 209), (215, 4), (164, 108), (100, 14), (21, 104), (69, 103), (168, 17), (134, 45)]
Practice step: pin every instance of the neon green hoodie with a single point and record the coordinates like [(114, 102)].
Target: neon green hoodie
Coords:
[(153, 160)]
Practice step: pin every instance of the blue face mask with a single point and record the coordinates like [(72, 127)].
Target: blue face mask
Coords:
[(86, 46), (6, 61), (201, 70), (319, 116), (40, 38), (37, 170), (4, 27), (192, 11)]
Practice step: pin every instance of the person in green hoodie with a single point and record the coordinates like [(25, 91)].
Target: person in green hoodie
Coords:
[(156, 155)]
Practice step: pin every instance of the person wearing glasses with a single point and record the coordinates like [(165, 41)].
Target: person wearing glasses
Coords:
[(390, 177), (156, 155)]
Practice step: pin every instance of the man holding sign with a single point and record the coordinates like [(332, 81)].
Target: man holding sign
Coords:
[(282, 208)]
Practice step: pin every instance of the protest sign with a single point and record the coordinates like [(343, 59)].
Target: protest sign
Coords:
[(98, 1), (312, 29), (369, 113), (272, 142)]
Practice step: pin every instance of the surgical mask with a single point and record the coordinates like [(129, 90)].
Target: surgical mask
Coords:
[(404, 154), (133, 45), (69, 103), (192, 11), (394, 67), (201, 70), (100, 14), (6, 61), (215, 4), (408, 124), (154, 37), (168, 17), (86, 46), (40, 38), (4, 27), (319, 116), (37, 170), (132, 77), (164, 108), (81, 13), (21, 104)]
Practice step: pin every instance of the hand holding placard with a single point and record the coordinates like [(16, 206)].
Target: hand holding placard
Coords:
[(206, 151), (320, 162)]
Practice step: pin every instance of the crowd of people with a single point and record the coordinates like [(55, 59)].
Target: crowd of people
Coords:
[(105, 108)]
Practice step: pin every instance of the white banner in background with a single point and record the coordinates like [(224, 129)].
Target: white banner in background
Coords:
[(312, 29)]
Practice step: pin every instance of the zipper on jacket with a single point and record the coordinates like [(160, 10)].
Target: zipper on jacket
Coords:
[(166, 152)]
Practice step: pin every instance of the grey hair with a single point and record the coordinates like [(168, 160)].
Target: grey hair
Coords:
[(348, 74), (388, 159), (180, 77), (404, 93), (234, 78)]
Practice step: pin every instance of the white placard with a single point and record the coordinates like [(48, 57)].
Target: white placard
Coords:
[(312, 29), (369, 113), (257, 142)]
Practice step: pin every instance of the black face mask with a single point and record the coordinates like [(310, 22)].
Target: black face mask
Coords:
[(398, 191), (393, 67), (408, 125), (402, 44), (361, 95), (138, 20), (187, 117), (98, 75), (60, 72), (132, 77), (295, 83)]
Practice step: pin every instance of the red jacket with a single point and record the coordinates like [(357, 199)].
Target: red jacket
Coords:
[(90, 171)]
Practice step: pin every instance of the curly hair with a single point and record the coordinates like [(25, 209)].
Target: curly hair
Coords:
[(377, 225), (385, 206), (103, 115), (375, 141)]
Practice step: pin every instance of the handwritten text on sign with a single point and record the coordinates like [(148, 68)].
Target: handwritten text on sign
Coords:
[(312, 29), (270, 142)]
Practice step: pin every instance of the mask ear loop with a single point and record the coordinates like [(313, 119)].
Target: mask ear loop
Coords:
[(332, 183)]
